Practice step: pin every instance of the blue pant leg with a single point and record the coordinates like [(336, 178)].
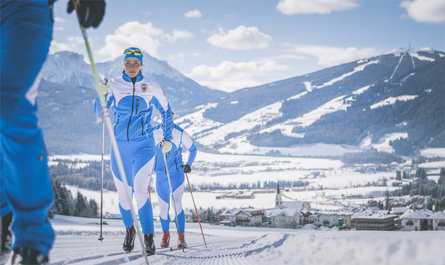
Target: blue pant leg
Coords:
[(4, 204), (163, 191), (178, 190), (25, 27), (127, 161), (142, 168)]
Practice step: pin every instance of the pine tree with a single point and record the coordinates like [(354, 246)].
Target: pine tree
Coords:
[(441, 180), (405, 176), (93, 208), (421, 174), (81, 207), (387, 200), (398, 175)]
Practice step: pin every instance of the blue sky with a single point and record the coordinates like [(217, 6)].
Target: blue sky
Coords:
[(231, 44)]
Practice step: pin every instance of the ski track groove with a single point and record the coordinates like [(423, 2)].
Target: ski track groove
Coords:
[(239, 254), (234, 255)]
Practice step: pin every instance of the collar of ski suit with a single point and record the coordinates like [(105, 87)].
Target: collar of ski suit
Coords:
[(139, 77)]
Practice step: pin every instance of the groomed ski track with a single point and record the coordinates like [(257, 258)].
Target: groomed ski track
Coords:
[(77, 243)]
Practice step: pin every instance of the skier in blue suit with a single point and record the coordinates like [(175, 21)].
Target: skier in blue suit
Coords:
[(181, 140), (25, 189), (131, 98)]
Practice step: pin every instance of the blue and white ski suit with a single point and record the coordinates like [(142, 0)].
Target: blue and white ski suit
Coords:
[(181, 139), (25, 187), (132, 105)]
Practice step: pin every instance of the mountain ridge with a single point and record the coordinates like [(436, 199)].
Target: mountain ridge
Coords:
[(357, 103)]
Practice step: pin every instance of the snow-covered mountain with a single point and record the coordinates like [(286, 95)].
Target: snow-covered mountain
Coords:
[(67, 91), (68, 68), (392, 102), (396, 97)]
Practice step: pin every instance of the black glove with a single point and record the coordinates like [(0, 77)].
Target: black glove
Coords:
[(91, 12), (187, 168)]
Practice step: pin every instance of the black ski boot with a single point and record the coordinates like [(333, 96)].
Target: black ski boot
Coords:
[(181, 241), (5, 237), (27, 255), (150, 247), (129, 239)]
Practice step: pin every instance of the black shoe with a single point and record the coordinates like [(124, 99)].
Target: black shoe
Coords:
[(6, 238), (129, 239), (150, 247), (181, 241), (26, 255)]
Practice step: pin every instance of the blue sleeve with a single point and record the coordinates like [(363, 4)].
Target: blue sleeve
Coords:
[(192, 155), (167, 120), (98, 108)]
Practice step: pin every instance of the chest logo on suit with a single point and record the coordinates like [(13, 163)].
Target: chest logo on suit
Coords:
[(144, 88)]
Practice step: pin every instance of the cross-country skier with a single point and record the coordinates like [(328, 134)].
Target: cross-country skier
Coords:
[(131, 98), (25, 189), (181, 139)]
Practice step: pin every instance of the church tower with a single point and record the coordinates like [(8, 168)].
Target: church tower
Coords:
[(278, 200)]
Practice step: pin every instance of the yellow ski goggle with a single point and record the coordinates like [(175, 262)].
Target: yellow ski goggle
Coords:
[(136, 52)]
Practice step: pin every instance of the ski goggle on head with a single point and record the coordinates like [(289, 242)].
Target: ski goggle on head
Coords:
[(134, 51)]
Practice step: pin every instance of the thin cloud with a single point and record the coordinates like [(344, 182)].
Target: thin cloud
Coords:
[(76, 40), (427, 11), (193, 14), (58, 47), (144, 36), (331, 56), (59, 20), (230, 76), (179, 35), (71, 45), (293, 7), (241, 38)]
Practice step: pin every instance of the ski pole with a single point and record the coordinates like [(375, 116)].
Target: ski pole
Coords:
[(173, 199), (196, 210), (110, 130), (102, 177)]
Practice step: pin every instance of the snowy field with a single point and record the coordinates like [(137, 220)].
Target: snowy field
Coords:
[(236, 169), (322, 200), (77, 243), (338, 182)]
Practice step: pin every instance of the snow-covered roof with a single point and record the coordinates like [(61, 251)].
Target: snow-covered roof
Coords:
[(327, 213), (399, 210), (438, 216), (282, 211), (298, 205), (245, 212), (372, 215), (230, 212), (420, 214), (252, 210)]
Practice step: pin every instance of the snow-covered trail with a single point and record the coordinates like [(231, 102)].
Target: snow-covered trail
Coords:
[(77, 243)]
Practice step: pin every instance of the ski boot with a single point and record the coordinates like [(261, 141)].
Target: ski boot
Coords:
[(181, 241), (150, 247), (129, 239), (6, 238), (165, 240), (27, 255)]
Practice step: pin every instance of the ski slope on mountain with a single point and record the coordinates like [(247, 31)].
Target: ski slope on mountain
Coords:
[(315, 108), (77, 243)]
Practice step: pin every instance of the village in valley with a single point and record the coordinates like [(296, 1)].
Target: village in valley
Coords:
[(325, 195), (405, 212)]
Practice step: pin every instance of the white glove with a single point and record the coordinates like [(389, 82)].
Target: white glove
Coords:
[(166, 146), (104, 87)]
